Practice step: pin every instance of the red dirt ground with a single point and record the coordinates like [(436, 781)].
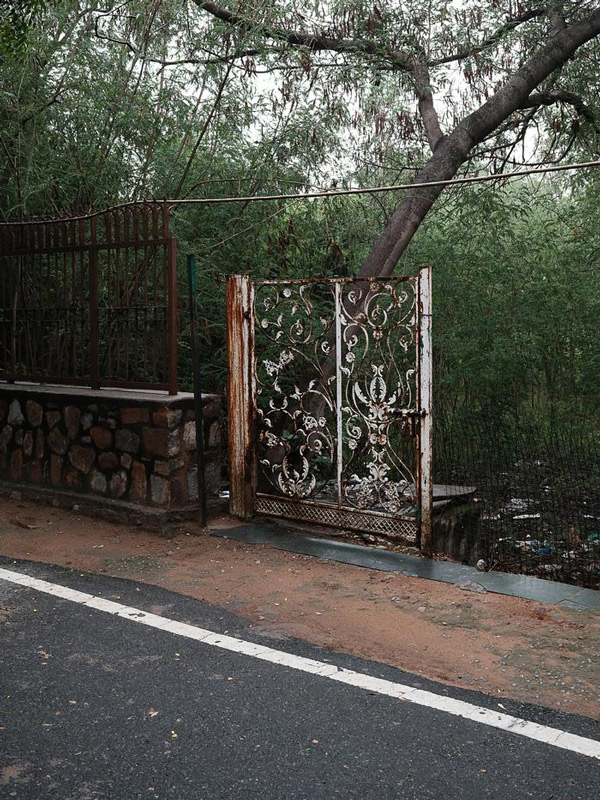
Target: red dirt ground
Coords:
[(500, 645)]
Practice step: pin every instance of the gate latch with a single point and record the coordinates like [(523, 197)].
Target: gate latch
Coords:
[(408, 413), (408, 418)]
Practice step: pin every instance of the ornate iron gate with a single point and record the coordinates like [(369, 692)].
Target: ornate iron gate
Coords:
[(330, 402)]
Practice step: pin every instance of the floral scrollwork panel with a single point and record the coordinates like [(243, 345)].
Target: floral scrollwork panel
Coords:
[(336, 392), (379, 393), (294, 397)]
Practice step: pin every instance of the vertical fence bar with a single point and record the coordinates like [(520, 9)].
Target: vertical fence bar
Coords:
[(125, 306), (425, 403), (94, 321), (155, 321), (85, 368), (14, 309), (116, 316), (145, 285), (240, 351), (193, 301), (73, 296), (135, 299), (55, 269), (172, 317)]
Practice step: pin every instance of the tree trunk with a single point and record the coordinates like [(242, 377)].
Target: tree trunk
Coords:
[(453, 150)]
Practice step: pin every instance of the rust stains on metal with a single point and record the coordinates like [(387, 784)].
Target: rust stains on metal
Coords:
[(240, 348), (426, 407), (90, 300)]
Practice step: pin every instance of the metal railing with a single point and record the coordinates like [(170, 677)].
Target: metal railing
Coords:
[(90, 300)]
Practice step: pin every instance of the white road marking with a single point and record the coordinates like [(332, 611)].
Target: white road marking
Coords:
[(458, 708)]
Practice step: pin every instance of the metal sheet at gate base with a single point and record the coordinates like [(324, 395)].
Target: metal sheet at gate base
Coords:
[(526, 586), (353, 519)]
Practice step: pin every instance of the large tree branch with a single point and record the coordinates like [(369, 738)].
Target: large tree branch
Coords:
[(508, 147), (556, 18), (538, 99), (311, 41), (454, 149), (532, 105), (429, 115), (398, 59)]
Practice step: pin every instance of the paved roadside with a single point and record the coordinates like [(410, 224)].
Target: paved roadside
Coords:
[(102, 698), (504, 646)]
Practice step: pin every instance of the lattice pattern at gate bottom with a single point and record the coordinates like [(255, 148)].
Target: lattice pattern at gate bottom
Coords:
[(339, 518)]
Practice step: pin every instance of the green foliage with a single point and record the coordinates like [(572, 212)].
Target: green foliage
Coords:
[(17, 18), (117, 101), (517, 301), (111, 102)]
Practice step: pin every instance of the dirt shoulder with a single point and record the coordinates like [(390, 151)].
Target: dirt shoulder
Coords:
[(501, 645)]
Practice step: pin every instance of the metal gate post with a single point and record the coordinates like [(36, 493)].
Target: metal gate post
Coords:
[(426, 420), (338, 390), (240, 351)]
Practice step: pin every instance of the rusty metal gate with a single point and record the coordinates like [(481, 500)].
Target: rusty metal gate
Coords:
[(330, 402)]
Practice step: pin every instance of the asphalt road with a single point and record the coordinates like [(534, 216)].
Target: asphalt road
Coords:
[(95, 706)]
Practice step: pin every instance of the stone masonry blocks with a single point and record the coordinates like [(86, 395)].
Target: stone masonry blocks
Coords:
[(116, 446)]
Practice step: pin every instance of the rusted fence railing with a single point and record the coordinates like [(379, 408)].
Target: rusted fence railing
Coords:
[(91, 300)]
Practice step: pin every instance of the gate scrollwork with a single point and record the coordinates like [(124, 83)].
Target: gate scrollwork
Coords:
[(294, 408), (379, 371), (336, 361)]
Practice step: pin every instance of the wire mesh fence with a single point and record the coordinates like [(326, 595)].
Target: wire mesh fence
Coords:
[(537, 490)]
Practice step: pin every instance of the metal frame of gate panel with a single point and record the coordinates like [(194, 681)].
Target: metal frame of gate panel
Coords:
[(244, 499), (240, 350), (425, 368)]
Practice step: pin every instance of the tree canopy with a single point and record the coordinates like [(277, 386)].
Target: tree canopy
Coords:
[(123, 100), (118, 101), (495, 65)]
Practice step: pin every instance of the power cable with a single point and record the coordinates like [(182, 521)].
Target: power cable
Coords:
[(326, 193)]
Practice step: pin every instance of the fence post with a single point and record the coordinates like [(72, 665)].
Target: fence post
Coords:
[(426, 420), (94, 319), (198, 414), (172, 316), (240, 351)]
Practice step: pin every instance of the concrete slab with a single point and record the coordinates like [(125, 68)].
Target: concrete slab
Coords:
[(158, 396), (469, 578)]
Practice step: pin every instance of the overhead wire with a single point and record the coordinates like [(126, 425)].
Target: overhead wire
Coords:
[(330, 193), (390, 188)]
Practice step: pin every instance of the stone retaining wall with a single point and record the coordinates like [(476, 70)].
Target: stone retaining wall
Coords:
[(138, 447)]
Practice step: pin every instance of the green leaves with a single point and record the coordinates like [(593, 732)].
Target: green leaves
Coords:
[(516, 290), (17, 17)]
